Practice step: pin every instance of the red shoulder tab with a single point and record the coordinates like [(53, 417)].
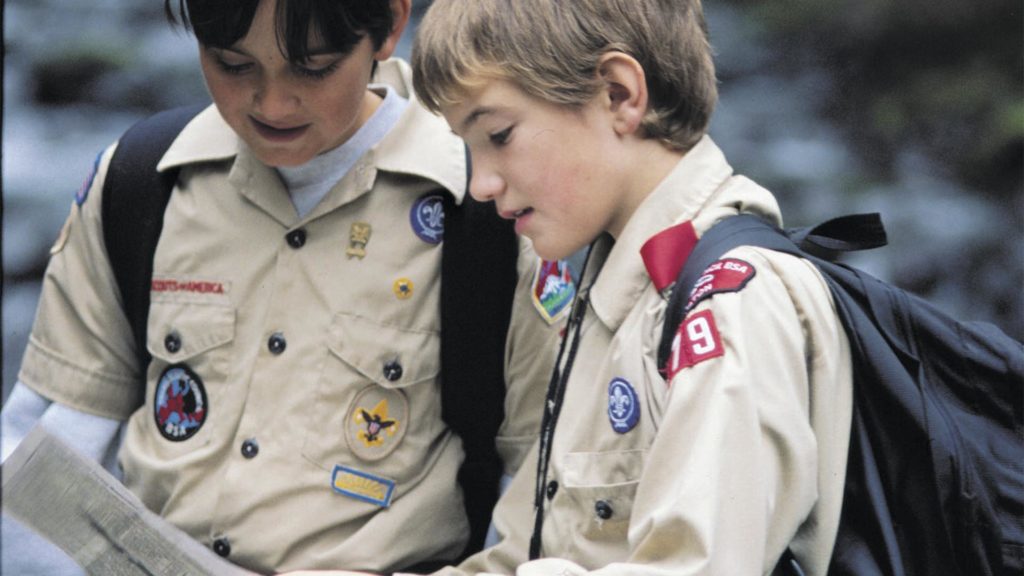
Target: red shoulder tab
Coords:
[(665, 253), (725, 275)]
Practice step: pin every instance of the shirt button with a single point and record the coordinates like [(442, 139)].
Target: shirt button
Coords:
[(603, 509), (296, 238), (552, 489), (277, 343), (172, 342), (250, 448), (392, 370), (222, 546)]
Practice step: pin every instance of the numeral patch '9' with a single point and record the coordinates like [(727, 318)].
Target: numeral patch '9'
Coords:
[(696, 341)]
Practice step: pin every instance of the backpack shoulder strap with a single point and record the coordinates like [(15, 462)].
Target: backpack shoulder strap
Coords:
[(134, 198), (478, 279), (819, 243)]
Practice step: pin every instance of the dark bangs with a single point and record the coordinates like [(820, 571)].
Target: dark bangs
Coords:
[(304, 26)]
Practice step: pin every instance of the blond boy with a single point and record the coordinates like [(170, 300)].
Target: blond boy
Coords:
[(587, 121)]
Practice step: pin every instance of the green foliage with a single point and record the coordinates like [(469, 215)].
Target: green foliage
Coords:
[(945, 76), (69, 75)]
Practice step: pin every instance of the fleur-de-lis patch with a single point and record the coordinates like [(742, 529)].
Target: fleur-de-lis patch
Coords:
[(376, 422), (623, 405), (427, 218)]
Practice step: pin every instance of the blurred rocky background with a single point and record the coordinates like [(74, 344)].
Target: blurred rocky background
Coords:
[(911, 108)]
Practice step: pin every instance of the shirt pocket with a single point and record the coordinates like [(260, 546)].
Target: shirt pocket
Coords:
[(378, 399), (189, 343), (598, 489)]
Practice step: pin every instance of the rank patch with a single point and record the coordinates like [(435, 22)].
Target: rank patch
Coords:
[(427, 218), (623, 405), (553, 290), (179, 403), (726, 275), (696, 340), (362, 486), (358, 238), (376, 422)]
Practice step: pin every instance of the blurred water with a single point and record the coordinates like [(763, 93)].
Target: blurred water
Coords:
[(766, 122)]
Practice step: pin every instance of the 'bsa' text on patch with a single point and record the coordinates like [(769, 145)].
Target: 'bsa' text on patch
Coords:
[(725, 275), (179, 403)]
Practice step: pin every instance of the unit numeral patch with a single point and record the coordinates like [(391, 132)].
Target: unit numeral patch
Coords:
[(696, 340)]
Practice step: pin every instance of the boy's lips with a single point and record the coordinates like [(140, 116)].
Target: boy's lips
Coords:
[(278, 134), (521, 216), (514, 214)]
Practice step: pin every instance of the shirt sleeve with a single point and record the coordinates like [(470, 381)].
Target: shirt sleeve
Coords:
[(95, 437), (80, 353)]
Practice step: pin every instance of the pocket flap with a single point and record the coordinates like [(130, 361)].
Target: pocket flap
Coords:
[(391, 356), (177, 331)]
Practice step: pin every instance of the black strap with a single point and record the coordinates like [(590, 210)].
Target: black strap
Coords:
[(843, 234), (478, 271), (134, 198)]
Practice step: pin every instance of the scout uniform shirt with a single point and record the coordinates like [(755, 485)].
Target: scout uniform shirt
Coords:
[(740, 453), (292, 414)]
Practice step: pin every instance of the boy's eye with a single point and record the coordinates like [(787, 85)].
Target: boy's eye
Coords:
[(230, 68), (316, 73), (501, 138)]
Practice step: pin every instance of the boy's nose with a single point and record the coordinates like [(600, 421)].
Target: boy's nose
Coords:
[(275, 100), (485, 185)]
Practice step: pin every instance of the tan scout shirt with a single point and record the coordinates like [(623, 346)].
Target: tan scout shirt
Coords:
[(292, 408), (742, 454)]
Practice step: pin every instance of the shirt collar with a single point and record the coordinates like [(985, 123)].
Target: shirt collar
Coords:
[(702, 189), (420, 144)]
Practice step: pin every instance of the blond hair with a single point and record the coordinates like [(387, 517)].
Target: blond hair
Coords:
[(550, 49)]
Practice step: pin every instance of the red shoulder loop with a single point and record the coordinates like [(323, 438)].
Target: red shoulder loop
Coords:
[(665, 253)]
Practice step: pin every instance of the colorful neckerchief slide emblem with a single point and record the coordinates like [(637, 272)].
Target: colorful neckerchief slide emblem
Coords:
[(553, 290), (623, 405), (427, 218), (376, 422), (179, 403), (362, 486)]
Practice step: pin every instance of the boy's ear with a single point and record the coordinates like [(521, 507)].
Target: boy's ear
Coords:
[(625, 88), (400, 10)]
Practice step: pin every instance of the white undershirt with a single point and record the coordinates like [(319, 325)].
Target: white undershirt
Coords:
[(309, 183)]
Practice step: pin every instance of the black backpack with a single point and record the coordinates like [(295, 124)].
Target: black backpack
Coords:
[(935, 477), (478, 278)]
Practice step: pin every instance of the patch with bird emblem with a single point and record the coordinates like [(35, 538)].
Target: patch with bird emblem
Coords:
[(376, 422)]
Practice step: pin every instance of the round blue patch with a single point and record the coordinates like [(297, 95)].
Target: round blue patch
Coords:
[(179, 403), (427, 218), (623, 406)]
